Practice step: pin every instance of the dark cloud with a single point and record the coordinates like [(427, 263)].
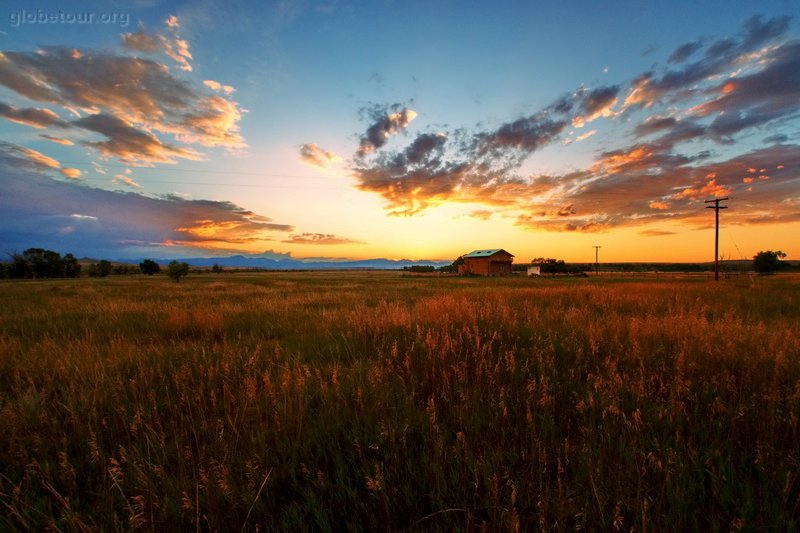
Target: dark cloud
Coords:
[(595, 103), (41, 211), (313, 155), (683, 52), (769, 92), (655, 124), (721, 55), (425, 148), (387, 122), (522, 136), (34, 117), (778, 138), (130, 144), (759, 32)]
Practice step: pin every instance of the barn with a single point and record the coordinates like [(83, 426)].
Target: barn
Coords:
[(495, 262)]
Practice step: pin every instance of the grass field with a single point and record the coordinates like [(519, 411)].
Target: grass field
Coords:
[(373, 401)]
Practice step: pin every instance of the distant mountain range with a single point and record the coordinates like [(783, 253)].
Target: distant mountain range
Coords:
[(243, 261)]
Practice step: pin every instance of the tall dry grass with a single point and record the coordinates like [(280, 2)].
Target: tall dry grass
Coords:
[(378, 402)]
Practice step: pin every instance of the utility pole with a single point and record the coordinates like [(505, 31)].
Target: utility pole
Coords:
[(596, 251), (716, 207)]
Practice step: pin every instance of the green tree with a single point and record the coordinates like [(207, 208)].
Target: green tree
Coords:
[(149, 267), (453, 267), (177, 270), (70, 266), (100, 269), (18, 268), (43, 263), (768, 262)]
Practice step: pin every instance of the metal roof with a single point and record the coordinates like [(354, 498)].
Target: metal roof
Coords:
[(485, 253)]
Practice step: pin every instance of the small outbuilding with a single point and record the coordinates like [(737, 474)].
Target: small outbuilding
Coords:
[(535, 270), (496, 262)]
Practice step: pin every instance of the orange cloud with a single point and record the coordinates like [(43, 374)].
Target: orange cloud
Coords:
[(641, 92), (711, 188), (661, 206), (217, 86), (126, 180), (619, 161), (482, 214), (58, 140), (319, 238), (71, 173), (216, 123), (39, 158)]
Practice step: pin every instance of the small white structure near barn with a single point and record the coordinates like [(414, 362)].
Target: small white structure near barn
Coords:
[(535, 270)]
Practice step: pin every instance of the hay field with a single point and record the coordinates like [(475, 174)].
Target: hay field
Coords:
[(373, 401)]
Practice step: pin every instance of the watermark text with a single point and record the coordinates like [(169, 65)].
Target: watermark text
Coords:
[(43, 16)]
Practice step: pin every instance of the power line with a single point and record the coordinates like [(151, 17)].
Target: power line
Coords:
[(226, 184), (197, 171)]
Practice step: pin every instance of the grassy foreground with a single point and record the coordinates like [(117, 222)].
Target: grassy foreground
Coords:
[(372, 401)]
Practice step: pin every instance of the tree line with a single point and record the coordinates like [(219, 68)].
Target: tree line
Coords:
[(38, 263)]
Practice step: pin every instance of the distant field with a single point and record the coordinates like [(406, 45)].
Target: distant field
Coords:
[(376, 401)]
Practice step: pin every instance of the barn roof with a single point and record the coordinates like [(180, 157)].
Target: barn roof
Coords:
[(485, 253)]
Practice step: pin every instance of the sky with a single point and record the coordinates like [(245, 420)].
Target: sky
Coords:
[(417, 129)]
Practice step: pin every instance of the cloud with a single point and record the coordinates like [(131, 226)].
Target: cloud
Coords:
[(125, 180), (759, 97), (138, 92), (39, 211), (683, 52), (57, 140), (655, 124), (525, 135), (670, 163), (721, 57), (172, 46), (141, 41), (319, 238), (27, 158), (216, 123), (482, 214), (35, 117), (656, 233), (585, 136), (217, 86), (313, 155), (71, 173), (129, 144), (385, 125), (471, 166), (594, 104)]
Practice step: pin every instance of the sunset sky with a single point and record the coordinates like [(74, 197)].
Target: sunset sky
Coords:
[(418, 130)]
